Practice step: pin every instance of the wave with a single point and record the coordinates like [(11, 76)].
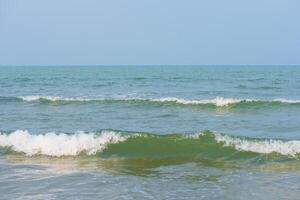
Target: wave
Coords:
[(52, 144), (217, 102), (129, 144), (290, 148), (55, 98)]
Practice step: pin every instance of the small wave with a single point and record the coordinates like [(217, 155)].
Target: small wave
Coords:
[(280, 100), (288, 148), (55, 98), (241, 86), (218, 101), (207, 143)]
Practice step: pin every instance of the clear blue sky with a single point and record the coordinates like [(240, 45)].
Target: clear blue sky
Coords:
[(114, 32)]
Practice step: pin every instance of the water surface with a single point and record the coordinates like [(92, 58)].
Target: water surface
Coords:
[(150, 132)]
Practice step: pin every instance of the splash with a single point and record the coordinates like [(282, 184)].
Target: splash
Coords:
[(52, 144)]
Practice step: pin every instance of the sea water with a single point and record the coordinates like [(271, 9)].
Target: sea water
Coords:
[(149, 132)]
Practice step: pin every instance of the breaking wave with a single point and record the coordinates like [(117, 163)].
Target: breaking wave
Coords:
[(128, 144), (52, 144), (218, 101)]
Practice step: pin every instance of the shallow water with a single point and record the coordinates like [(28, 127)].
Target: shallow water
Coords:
[(150, 132)]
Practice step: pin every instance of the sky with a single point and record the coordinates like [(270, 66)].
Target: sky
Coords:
[(149, 32)]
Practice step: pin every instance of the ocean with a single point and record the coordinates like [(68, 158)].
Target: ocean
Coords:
[(150, 132)]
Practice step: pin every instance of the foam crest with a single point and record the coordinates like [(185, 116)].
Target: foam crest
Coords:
[(54, 98), (218, 101), (286, 101), (52, 144), (289, 148)]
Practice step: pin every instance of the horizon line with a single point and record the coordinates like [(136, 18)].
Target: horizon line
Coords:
[(141, 65)]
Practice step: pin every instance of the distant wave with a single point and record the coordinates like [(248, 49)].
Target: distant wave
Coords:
[(56, 98), (218, 101), (118, 143)]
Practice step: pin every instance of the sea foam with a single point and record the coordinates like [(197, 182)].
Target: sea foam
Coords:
[(55, 98), (266, 146), (218, 101), (52, 144)]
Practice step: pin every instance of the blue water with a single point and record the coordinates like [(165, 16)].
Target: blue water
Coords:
[(91, 111)]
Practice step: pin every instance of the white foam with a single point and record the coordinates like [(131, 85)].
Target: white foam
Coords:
[(291, 148), (52, 144), (55, 98), (218, 101), (286, 100)]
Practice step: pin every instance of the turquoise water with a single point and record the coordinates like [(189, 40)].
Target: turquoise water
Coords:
[(150, 132)]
